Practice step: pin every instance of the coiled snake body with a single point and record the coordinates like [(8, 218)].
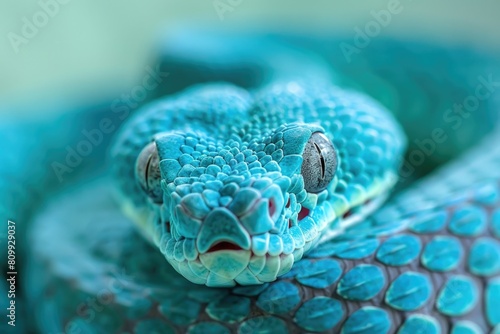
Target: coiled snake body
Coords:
[(270, 158)]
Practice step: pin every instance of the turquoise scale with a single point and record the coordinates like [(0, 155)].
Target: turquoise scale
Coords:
[(319, 274), (280, 297), (458, 296), (487, 195), (319, 314), (468, 221), (399, 250), (465, 327), (183, 311), (367, 320), (492, 300), (484, 257), (409, 291), (442, 253), (419, 324), (229, 309), (432, 222), (362, 282), (299, 268)]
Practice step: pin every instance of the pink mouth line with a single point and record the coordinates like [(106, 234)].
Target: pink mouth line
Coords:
[(349, 212), (224, 245), (304, 212)]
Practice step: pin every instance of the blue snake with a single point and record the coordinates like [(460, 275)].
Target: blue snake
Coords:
[(271, 186)]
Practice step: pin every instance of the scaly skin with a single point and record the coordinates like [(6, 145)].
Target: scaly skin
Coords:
[(428, 261)]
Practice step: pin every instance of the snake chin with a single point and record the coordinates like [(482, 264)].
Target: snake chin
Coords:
[(226, 264)]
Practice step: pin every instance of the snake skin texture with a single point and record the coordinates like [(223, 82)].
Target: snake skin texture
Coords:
[(210, 241)]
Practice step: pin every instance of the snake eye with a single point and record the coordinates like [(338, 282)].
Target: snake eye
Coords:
[(147, 171), (319, 164)]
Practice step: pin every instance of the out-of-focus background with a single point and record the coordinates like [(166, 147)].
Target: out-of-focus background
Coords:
[(51, 47)]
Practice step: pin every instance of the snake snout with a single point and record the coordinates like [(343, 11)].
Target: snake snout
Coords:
[(250, 212), (215, 235)]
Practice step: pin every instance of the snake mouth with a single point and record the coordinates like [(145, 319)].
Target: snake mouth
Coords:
[(224, 246), (227, 264), (268, 256)]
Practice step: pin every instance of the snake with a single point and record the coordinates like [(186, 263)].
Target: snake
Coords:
[(270, 183)]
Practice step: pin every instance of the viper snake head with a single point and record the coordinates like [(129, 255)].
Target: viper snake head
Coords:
[(242, 206)]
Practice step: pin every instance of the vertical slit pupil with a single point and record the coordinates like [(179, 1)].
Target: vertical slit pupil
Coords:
[(322, 160), (146, 171)]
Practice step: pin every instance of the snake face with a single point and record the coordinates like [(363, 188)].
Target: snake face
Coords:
[(241, 205)]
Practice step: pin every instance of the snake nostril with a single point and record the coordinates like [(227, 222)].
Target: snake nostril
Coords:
[(167, 227), (224, 245)]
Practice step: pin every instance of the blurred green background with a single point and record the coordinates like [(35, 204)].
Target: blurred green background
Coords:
[(102, 46)]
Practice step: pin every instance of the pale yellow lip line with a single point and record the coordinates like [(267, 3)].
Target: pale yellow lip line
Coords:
[(377, 200), (329, 234)]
